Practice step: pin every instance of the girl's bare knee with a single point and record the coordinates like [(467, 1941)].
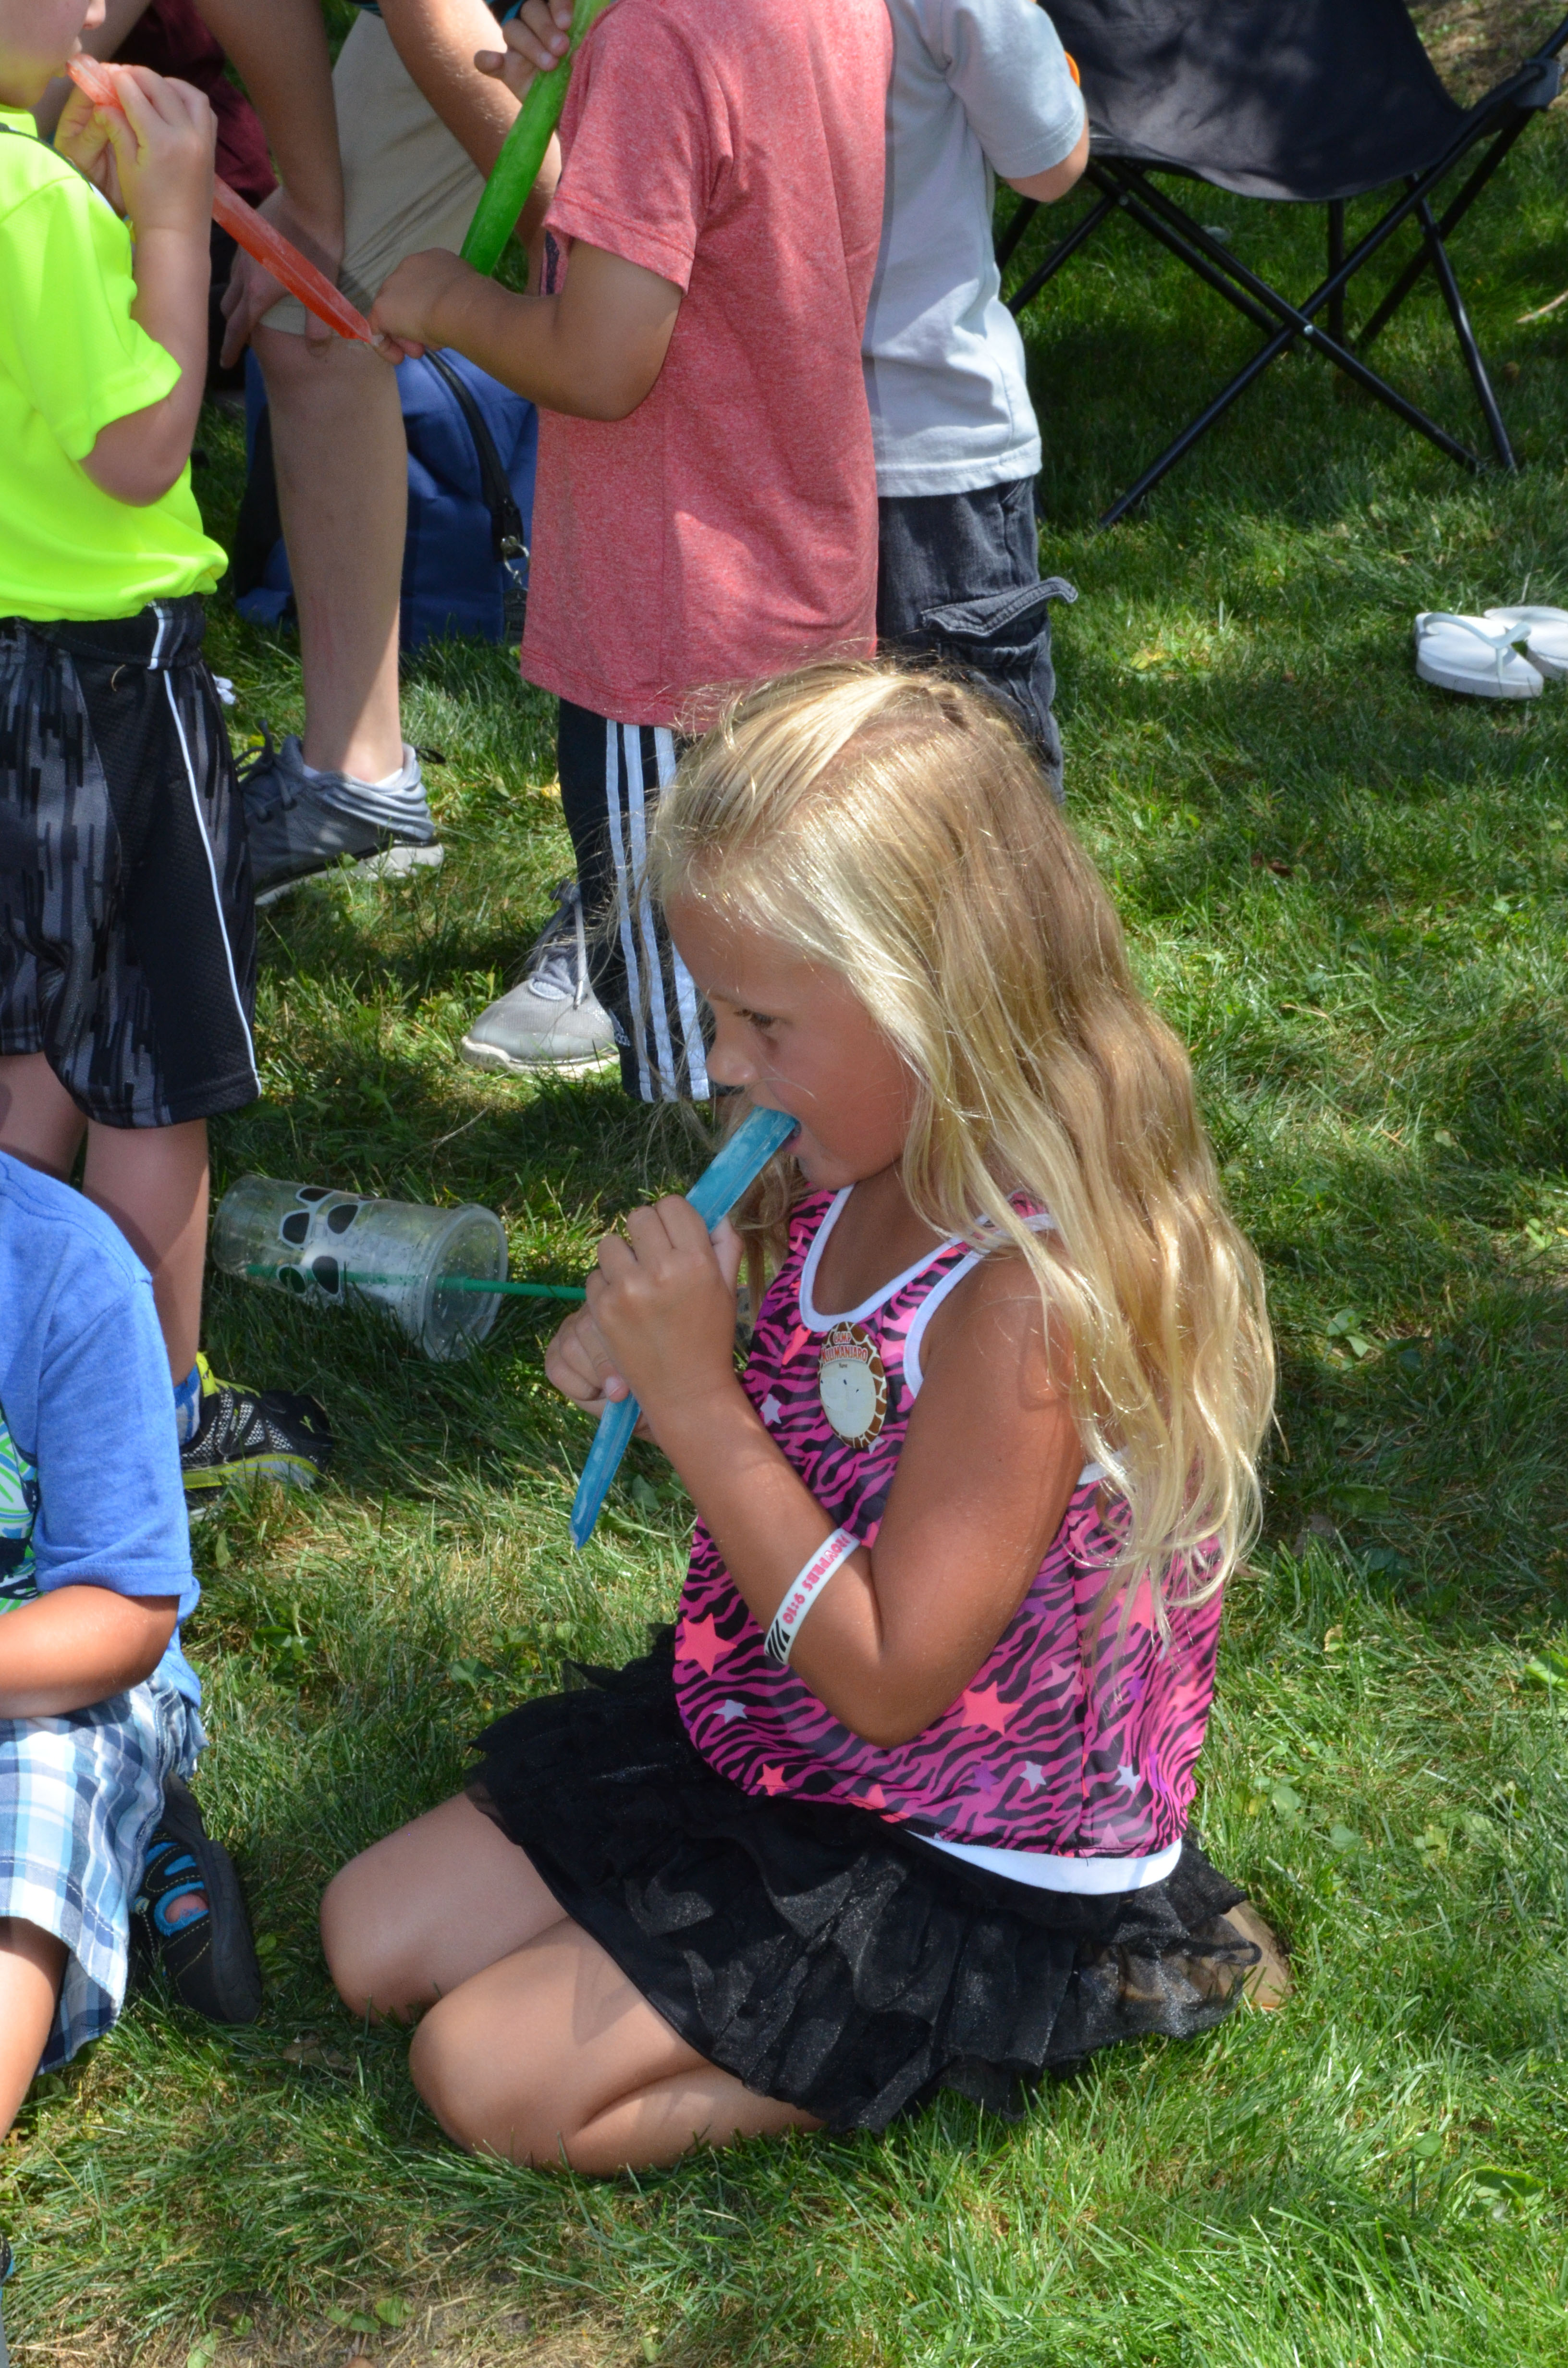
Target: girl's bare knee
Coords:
[(452, 2062), (367, 1980)]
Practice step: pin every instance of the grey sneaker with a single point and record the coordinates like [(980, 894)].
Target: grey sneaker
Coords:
[(552, 1019), (301, 824)]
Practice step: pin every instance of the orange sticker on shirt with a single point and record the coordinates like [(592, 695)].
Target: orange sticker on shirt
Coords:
[(852, 1383)]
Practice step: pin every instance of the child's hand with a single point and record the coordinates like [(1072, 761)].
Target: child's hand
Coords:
[(407, 311), (164, 134), (580, 1366), (82, 137), (663, 1302), (537, 39), (252, 291)]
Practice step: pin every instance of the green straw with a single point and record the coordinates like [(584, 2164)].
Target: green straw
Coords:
[(516, 169), (444, 1282)]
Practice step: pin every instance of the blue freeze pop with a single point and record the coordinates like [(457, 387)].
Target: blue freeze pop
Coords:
[(714, 1194)]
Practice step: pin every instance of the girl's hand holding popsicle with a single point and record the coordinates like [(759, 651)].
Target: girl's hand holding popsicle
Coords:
[(660, 1323)]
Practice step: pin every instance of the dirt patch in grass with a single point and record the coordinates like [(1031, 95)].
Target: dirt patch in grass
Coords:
[(1474, 43), (474, 2331)]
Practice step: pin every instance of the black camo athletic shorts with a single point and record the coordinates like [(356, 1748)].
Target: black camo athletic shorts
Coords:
[(127, 916)]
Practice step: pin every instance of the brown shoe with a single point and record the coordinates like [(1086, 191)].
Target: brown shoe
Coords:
[(1268, 1985)]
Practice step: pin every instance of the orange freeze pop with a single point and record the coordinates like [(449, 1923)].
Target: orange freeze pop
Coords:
[(248, 229)]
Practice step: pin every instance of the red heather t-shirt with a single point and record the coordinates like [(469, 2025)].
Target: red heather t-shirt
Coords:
[(728, 529)]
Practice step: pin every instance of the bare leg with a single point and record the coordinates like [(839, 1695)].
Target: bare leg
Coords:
[(417, 1914), (533, 2041), (38, 1121), (32, 1963), (552, 2054), (342, 461), (152, 1181)]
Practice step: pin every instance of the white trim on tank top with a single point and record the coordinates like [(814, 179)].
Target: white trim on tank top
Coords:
[(1092, 1877), (1044, 1223), (809, 1315)]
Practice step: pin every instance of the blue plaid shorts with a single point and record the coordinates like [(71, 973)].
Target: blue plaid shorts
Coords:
[(79, 1798)]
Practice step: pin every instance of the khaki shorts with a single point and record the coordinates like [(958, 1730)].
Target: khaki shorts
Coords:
[(408, 185)]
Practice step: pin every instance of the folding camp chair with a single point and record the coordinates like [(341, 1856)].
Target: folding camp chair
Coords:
[(1315, 101)]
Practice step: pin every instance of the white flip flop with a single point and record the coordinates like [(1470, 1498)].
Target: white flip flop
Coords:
[(1472, 654), (1544, 632)]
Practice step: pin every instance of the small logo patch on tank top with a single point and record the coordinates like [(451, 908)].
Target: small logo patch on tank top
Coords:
[(852, 1383)]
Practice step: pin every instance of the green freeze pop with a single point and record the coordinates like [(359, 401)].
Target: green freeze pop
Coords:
[(507, 190), (443, 1282)]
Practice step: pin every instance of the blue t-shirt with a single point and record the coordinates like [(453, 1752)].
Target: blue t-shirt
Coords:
[(90, 1486)]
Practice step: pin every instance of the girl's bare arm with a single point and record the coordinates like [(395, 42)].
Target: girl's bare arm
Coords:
[(989, 1464)]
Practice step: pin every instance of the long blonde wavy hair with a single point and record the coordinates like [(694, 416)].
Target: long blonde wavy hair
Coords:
[(894, 828)]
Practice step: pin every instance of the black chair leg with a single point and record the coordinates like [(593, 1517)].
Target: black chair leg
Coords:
[(1024, 214), (1177, 231), (1444, 270), (1145, 203), (1198, 426), (1335, 258), (1450, 218), (1060, 253)]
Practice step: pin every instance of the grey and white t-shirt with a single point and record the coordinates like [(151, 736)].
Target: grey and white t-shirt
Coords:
[(979, 88)]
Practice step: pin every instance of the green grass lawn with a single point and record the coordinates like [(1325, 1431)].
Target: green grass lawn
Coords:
[(1349, 893)]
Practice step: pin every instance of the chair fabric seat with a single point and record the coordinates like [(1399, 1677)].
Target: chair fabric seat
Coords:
[(1309, 100)]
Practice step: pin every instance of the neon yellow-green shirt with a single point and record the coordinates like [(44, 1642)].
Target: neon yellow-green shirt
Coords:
[(71, 359)]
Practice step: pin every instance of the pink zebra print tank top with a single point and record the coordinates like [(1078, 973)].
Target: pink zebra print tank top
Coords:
[(1072, 1741)]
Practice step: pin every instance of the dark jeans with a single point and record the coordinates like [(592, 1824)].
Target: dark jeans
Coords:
[(959, 580)]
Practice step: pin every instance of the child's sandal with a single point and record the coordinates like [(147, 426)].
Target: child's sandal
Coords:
[(209, 1958)]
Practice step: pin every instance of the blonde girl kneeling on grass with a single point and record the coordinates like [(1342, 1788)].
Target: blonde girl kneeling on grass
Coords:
[(902, 1805)]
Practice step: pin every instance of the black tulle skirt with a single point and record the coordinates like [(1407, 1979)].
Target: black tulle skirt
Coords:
[(819, 1953)]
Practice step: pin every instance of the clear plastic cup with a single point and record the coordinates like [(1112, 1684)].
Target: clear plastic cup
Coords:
[(320, 1245)]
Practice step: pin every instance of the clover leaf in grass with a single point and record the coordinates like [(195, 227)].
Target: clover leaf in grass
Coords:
[(352, 2322), (1547, 1668), (392, 2311), (1427, 2146), (1503, 2191), (1361, 1500), (645, 1496), (1343, 1837), (1348, 1328)]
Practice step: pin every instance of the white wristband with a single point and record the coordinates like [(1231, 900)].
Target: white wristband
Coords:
[(802, 1592)]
